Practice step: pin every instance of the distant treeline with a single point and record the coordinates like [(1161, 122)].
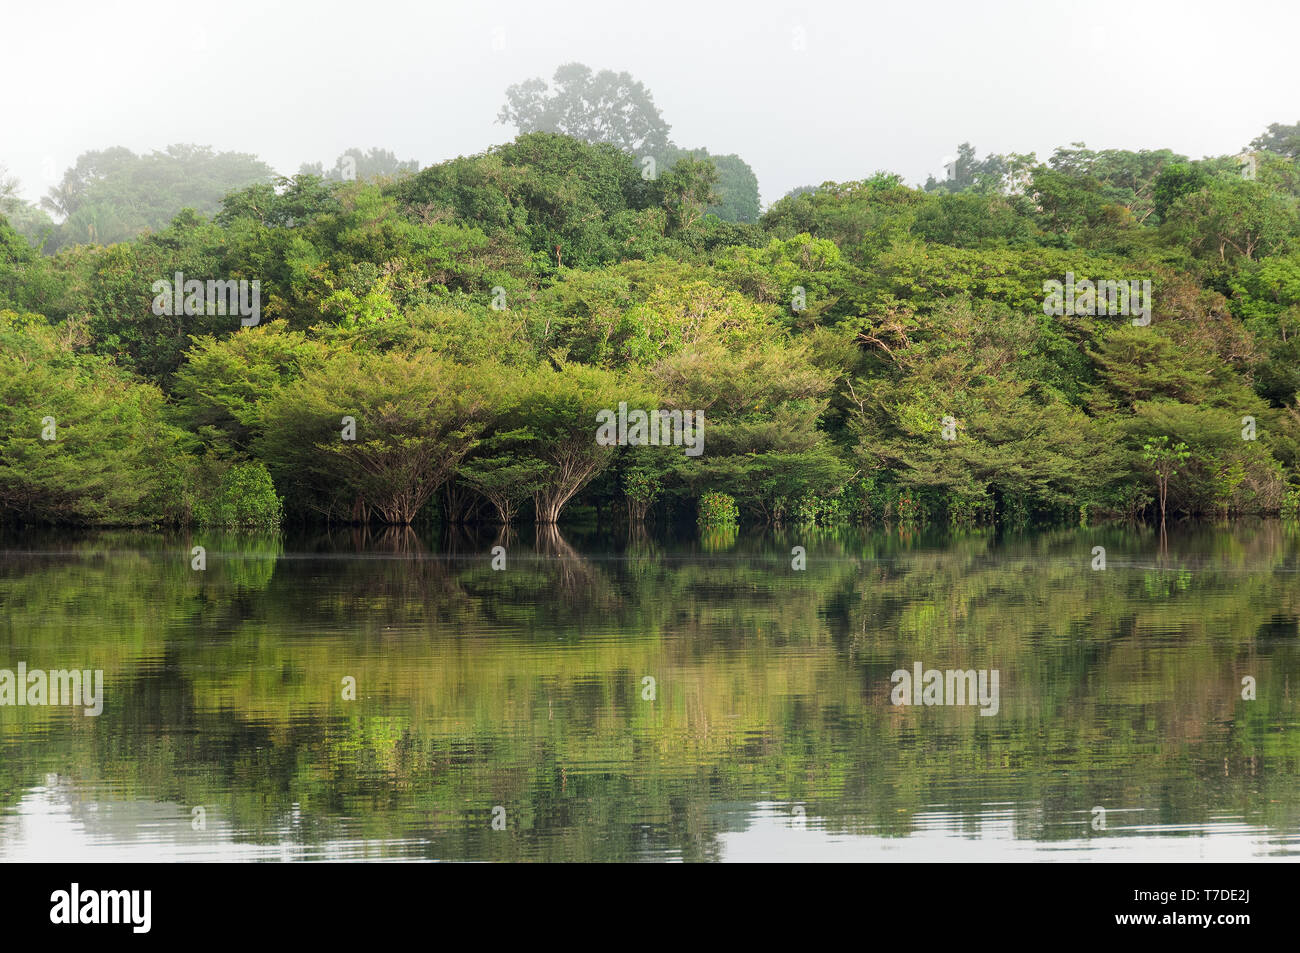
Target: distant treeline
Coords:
[(114, 195), (438, 343)]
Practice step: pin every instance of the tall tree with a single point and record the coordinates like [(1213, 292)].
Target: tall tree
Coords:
[(113, 195), (1280, 138), (24, 217), (597, 107)]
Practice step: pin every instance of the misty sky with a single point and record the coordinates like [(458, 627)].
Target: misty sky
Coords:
[(890, 86)]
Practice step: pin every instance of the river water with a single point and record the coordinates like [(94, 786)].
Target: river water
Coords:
[(643, 696)]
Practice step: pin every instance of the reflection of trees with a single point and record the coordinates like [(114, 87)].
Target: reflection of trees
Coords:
[(359, 534), (576, 575), (399, 540), (772, 683), (639, 542), (245, 560), (718, 539), (461, 539)]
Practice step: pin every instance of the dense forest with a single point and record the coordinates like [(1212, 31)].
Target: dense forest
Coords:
[(435, 343)]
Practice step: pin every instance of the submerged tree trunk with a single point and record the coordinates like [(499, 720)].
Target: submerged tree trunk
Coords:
[(551, 501), (360, 511), (507, 509), (459, 502)]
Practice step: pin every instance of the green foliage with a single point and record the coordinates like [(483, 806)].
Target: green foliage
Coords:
[(1175, 181), (243, 498), (545, 193), (363, 433), (1291, 504), (863, 218), (615, 109), (1165, 460), (813, 509), (559, 408), (1280, 138), (717, 510), (1132, 179), (966, 173), (973, 220), (220, 387), (80, 441), (1232, 219), (644, 479), (736, 190)]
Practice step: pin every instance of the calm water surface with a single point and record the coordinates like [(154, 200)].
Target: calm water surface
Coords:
[(522, 696)]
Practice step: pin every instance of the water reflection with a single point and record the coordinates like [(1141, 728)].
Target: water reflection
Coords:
[(768, 731)]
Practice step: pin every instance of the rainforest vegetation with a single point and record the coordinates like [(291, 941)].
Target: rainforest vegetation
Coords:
[(863, 351)]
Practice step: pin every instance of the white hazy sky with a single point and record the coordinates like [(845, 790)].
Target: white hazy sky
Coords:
[(876, 85)]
